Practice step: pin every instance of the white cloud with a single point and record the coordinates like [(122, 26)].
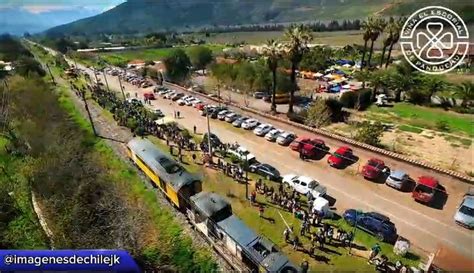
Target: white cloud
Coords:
[(44, 8)]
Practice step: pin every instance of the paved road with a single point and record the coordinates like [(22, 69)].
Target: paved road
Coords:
[(425, 227)]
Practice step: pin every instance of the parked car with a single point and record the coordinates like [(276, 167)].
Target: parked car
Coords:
[(266, 171), (258, 95), (250, 124), (194, 102), (285, 138), (304, 184), (242, 154), (181, 102), (374, 223), (465, 213), (170, 94), (221, 115), (374, 169), (262, 129), (425, 189), (200, 106), (149, 96), (397, 179), (273, 134), (215, 142), (231, 117), (158, 113), (313, 148), (177, 96), (238, 122), (164, 92), (299, 142), (341, 157)]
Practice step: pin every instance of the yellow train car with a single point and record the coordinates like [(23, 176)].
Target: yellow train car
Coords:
[(167, 174)]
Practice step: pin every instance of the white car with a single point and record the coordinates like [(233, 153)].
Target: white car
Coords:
[(170, 94), (189, 101), (304, 184), (195, 102), (285, 138), (465, 212), (273, 134), (231, 117), (242, 153), (262, 129), (221, 115), (250, 123), (181, 102)]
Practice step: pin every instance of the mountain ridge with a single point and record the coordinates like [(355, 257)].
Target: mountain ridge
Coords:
[(144, 16)]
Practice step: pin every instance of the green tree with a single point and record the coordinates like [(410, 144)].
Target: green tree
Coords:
[(298, 37), (465, 92), (273, 55), (177, 65), (200, 57), (378, 25), (318, 114), (27, 66), (369, 133), (389, 32), (366, 27), (396, 28)]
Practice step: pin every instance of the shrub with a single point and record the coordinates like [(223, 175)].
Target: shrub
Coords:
[(364, 99), (463, 110), (370, 133), (442, 125), (348, 99)]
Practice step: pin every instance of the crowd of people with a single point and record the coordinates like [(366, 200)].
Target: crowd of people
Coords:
[(141, 121)]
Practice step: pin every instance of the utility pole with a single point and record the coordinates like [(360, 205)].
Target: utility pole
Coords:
[(51, 74), (209, 136), (219, 93), (121, 88), (105, 78), (246, 176), (83, 95)]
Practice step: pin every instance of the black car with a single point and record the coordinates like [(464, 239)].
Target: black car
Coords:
[(265, 170), (373, 223), (215, 142), (215, 111)]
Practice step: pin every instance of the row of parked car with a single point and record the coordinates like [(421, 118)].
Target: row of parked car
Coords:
[(128, 77), (424, 190)]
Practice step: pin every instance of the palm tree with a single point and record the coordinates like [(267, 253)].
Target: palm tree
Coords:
[(389, 30), (298, 37), (273, 54), (377, 29), (366, 26), (465, 91), (397, 28)]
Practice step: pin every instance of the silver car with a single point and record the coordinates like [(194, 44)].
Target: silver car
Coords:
[(238, 122), (465, 214), (397, 179)]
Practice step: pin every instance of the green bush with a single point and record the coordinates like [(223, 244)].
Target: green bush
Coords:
[(463, 110), (348, 99), (370, 133), (364, 99), (442, 125)]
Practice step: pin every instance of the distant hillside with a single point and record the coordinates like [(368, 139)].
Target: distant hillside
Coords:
[(147, 16), (144, 16)]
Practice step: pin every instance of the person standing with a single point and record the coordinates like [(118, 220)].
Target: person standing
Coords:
[(296, 242), (304, 266), (194, 129), (375, 250), (261, 210)]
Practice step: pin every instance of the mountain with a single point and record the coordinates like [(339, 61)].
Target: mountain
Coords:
[(18, 21), (144, 16)]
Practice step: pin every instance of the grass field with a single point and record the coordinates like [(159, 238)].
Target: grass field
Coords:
[(425, 117), (146, 54)]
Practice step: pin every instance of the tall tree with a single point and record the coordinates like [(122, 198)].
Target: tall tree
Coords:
[(366, 26), (465, 91), (387, 41), (298, 37), (273, 54), (397, 28), (177, 65), (200, 57), (377, 28)]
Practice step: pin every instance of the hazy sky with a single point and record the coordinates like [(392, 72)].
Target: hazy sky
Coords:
[(39, 6)]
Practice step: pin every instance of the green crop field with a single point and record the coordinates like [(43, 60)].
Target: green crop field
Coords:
[(146, 54), (425, 117)]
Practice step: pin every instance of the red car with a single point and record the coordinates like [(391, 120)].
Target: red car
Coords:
[(314, 147), (199, 106), (373, 169), (425, 189), (299, 142), (149, 96), (341, 157)]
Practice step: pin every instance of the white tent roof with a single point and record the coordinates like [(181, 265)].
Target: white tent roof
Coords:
[(320, 204), (165, 120), (317, 74)]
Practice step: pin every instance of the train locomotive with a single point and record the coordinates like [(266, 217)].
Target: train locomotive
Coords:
[(208, 212)]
